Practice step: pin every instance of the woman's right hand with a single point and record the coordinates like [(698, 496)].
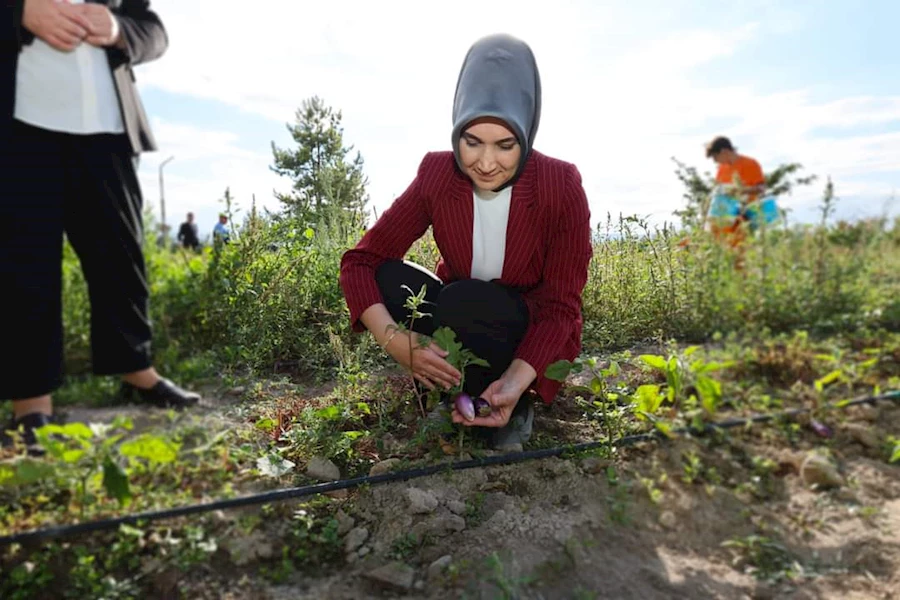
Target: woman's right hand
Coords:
[(427, 362)]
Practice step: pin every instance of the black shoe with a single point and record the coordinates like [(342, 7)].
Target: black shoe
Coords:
[(25, 426), (164, 394)]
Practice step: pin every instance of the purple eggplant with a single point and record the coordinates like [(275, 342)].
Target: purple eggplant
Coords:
[(482, 407), (821, 429), (465, 406)]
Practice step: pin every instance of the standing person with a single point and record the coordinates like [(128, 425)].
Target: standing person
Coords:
[(220, 231), (187, 233), (740, 175), (513, 229), (72, 128)]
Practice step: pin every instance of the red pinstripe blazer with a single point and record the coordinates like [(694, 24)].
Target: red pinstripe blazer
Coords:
[(548, 248)]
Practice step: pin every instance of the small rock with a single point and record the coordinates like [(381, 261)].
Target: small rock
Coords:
[(438, 526), (394, 575), (339, 494), (869, 413), (363, 551), (356, 538), (818, 471), (245, 549), (220, 516), (576, 552), (668, 519), (595, 465), (391, 444), (437, 568), (345, 522), (420, 585), (457, 507), (239, 390), (322, 469), (421, 502), (863, 435), (352, 558), (558, 467), (385, 466)]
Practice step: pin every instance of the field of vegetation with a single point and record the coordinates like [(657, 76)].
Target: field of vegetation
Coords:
[(675, 338)]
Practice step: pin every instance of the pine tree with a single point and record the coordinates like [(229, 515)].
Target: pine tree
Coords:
[(326, 185)]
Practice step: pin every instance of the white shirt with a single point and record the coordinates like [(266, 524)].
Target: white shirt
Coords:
[(71, 92), (489, 233)]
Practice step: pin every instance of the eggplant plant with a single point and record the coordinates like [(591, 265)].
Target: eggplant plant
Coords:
[(458, 356)]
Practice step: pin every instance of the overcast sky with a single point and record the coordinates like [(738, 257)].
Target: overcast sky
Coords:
[(627, 86)]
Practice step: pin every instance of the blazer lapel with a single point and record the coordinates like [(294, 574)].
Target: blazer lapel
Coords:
[(521, 230), (459, 215)]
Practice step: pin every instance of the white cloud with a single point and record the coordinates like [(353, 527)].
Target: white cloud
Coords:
[(617, 104)]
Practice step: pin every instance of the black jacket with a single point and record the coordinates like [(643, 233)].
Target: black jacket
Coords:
[(145, 40)]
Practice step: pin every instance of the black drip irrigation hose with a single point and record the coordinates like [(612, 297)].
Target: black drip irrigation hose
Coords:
[(333, 486)]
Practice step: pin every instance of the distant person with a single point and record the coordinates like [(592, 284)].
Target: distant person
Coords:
[(72, 127), (220, 231), (742, 179), (187, 233)]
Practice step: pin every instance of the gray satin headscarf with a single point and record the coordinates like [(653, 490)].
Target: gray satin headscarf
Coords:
[(499, 78)]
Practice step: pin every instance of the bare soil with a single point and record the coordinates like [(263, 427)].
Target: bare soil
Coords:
[(654, 522)]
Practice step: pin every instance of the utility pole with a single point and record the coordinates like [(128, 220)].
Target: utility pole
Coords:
[(162, 200)]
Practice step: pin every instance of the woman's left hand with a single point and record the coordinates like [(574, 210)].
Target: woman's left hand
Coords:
[(104, 29)]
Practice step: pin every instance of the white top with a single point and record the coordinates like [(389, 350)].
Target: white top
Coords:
[(489, 233), (71, 92)]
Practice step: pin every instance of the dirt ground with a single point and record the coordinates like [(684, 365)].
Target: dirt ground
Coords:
[(725, 518)]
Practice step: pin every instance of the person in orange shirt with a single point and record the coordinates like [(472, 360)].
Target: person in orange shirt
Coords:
[(741, 176)]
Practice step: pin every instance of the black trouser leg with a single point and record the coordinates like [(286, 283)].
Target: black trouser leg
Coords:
[(104, 224), (488, 319), (31, 227), (395, 280), (87, 187)]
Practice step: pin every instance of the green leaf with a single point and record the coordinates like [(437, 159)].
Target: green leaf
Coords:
[(78, 431), (612, 371), (596, 386), (559, 370), (266, 424), (648, 399), (354, 435), (869, 363), (329, 412), (657, 362), (691, 350), (115, 481), (710, 393), (363, 408), (72, 456), (29, 471), (150, 447), (7, 474), (896, 455), (446, 339), (309, 233), (664, 428), (827, 379), (478, 361)]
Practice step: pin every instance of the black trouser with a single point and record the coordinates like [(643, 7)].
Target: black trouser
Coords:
[(489, 319), (86, 187)]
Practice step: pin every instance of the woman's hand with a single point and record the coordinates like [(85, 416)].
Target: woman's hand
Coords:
[(503, 395), (428, 365), (103, 26), (59, 24)]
